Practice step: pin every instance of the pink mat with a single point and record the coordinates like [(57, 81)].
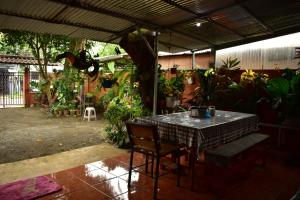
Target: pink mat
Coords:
[(28, 189)]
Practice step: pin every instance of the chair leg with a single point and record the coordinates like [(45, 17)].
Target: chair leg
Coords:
[(152, 164), (146, 167), (156, 178), (178, 170), (130, 168)]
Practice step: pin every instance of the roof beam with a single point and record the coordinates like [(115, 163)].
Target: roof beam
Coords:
[(191, 36), (294, 29), (175, 4), (207, 14), (121, 33), (173, 45), (53, 21), (264, 25), (88, 7), (142, 23)]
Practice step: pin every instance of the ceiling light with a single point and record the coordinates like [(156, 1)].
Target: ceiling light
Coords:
[(198, 24)]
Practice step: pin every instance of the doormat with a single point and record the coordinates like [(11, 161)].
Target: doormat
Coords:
[(28, 189)]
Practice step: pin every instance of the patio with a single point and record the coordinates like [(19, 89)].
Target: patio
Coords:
[(107, 179), (86, 167)]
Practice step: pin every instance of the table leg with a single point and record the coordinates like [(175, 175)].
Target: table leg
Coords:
[(193, 159)]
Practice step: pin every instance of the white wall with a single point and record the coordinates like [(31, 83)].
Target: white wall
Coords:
[(270, 54)]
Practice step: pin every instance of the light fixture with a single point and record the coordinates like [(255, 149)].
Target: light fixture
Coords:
[(198, 24)]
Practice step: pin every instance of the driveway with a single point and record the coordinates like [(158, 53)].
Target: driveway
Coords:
[(31, 132)]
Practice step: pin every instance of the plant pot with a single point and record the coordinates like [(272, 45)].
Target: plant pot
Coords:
[(59, 113), (173, 70), (107, 83), (190, 80), (78, 112), (73, 112), (66, 112), (171, 102)]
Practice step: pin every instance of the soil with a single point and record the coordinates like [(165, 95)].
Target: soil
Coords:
[(32, 132)]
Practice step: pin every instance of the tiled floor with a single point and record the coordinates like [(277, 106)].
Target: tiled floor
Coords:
[(107, 179)]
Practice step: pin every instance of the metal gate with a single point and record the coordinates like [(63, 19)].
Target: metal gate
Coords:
[(11, 89)]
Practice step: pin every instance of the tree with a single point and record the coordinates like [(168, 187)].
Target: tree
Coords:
[(43, 47)]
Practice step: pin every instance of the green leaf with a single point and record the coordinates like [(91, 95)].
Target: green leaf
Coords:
[(111, 66), (278, 87)]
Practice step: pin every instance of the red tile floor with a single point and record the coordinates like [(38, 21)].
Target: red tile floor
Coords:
[(107, 179)]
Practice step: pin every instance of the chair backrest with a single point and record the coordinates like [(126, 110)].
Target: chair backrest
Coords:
[(143, 136)]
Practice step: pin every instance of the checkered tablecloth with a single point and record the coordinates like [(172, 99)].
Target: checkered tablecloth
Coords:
[(203, 133)]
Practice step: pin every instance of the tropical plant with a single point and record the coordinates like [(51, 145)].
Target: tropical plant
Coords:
[(42, 46), (230, 63), (207, 88), (172, 87), (122, 102)]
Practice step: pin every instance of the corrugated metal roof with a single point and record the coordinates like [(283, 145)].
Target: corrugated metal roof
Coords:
[(14, 59), (223, 22)]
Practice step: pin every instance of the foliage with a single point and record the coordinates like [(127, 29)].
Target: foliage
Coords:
[(230, 63), (171, 87), (284, 93), (122, 102), (42, 46), (66, 88)]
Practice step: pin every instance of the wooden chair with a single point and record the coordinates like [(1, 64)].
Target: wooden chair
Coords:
[(145, 139)]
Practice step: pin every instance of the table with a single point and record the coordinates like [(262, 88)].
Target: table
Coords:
[(204, 133)]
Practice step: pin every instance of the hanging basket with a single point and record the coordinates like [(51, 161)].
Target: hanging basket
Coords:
[(173, 70), (107, 83)]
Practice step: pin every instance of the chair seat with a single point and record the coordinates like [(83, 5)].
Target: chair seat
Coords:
[(164, 148)]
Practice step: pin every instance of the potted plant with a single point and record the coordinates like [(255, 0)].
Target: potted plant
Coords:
[(172, 89), (174, 69), (72, 108)]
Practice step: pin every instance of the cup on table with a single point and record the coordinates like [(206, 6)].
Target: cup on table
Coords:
[(212, 110)]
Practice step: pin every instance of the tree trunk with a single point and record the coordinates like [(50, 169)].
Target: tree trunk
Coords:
[(145, 62)]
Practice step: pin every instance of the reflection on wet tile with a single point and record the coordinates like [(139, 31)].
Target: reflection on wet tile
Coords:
[(67, 181), (136, 195), (112, 166), (95, 176), (112, 187), (85, 194), (139, 159), (138, 179)]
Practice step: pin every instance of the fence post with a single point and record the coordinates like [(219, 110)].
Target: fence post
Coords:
[(26, 87)]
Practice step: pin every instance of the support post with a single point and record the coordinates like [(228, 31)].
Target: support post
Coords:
[(193, 59), (155, 75), (213, 51), (26, 97)]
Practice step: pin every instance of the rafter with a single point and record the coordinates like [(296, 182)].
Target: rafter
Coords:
[(53, 21), (175, 4), (142, 23), (264, 25), (173, 45), (207, 14)]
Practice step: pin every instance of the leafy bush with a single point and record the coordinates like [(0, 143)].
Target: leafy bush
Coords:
[(119, 110)]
